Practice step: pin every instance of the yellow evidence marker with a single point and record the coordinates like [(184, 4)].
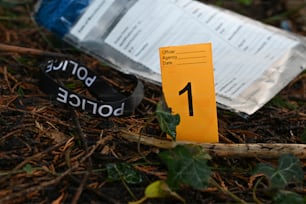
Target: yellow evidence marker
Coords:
[(188, 88)]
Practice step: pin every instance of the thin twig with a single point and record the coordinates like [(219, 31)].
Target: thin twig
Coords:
[(6, 79), (78, 194), (98, 193), (46, 117), (82, 137), (30, 51), (139, 139)]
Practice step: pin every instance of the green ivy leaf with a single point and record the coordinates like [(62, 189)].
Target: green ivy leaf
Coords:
[(289, 170), (125, 171), (167, 121), (28, 168), (285, 197), (187, 164)]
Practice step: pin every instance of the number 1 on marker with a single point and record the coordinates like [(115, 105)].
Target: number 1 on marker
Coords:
[(188, 89)]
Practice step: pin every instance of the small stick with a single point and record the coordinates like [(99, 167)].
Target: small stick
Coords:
[(82, 137), (260, 150), (30, 51), (80, 189)]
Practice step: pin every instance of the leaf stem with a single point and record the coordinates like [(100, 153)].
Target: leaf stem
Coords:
[(232, 195), (125, 185), (254, 191), (128, 189), (139, 139)]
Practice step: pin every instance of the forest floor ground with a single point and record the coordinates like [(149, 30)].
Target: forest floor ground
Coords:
[(53, 154)]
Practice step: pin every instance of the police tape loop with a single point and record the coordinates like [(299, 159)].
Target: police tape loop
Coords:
[(109, 101)]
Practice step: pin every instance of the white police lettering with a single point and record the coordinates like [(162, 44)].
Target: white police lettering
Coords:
[(49, 66), (107, 113), (76, 101), (119, 111), (79, 71), (107, 110), (75, 66), (62, 97), (94, 106), (62, 64)]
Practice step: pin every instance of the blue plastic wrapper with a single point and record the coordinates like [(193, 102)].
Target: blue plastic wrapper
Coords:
[(59, 16)]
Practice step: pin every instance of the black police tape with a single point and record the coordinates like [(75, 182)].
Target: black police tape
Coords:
[(109, 101)]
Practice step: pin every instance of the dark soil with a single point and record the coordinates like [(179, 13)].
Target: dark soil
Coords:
[(68, 150)]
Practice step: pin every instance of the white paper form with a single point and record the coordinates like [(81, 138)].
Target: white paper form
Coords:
[(241, 52)]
